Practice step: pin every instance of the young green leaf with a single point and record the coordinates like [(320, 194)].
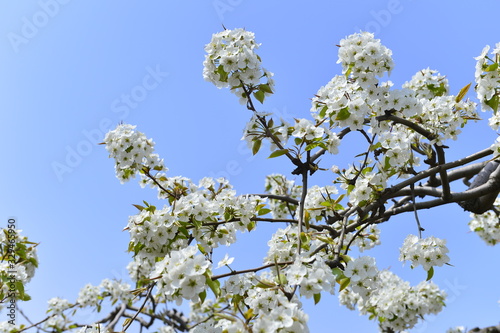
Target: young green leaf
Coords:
[(278, 152), (430, 273), (343, 114), (214, 285), (344, 283), (256, 146), (462, 93), (263, 211), (493, 103), (317, 298), (260, 96), (265, 88)]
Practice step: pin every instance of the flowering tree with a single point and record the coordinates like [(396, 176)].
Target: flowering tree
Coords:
[(314, 251)]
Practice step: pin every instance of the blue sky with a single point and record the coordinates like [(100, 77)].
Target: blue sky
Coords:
[(71, 70)]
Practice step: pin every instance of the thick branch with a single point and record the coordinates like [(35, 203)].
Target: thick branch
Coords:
[(420, 130), (493, 185)]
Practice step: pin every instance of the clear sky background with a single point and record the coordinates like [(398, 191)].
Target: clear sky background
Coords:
[(63, 83)]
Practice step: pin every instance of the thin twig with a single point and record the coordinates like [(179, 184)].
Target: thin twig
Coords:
[(140, 309), (251, 270), (412, 187), (146, 171), (279, 197)]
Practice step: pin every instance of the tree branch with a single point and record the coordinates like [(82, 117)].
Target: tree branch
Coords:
[(251, 270), (140, 309), (279, 197)]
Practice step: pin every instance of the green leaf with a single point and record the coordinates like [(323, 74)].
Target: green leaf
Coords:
[(492, 67), (339, 274), (312, 145), (343, 114), (493, 103), (260, 96), (387, 163), (251, 226), (326, 203), (317, 298), (307, 217), (151, 209), (222, 74), (430, 273), (344, 283), (437, 90), (326, 240), (256, 146), (263, 211), (305, 238), (462, 93), (138, 247), (248, 314), (281, 279), (298, 141), (228, 215), (265, 284), (265, 88), (270, 123), (126, 321), (203, 296), (349, 70), (183, 230), (322, 112), (214, 286), (278, 152)]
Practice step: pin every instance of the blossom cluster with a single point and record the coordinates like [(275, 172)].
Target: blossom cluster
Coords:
[(91, 295), (428, 83), (428, 252), (487, 225), (362, 184), (9, 327), (357, 98), (397, 305), (278, 184), (181, 275), (132, 152), (364, 57), (231, 61), (57, 319), (313, 278), (488, 81), (209, 212), (272, 311)]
